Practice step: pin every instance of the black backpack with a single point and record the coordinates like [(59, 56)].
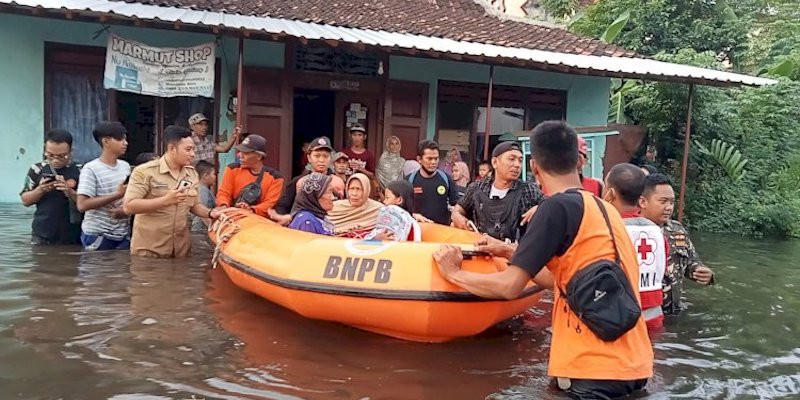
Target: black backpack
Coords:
[(251, 193), (600, 294)]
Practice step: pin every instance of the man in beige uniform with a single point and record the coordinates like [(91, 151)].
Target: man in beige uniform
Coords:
[(162, 192)]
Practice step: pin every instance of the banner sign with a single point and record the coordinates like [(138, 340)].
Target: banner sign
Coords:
[(159, 71)]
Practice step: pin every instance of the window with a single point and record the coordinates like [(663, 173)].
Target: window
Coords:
[(75, 99), (515, 111), (507, 123)]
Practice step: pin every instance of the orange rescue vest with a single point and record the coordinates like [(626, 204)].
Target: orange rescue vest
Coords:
[(575, 351)]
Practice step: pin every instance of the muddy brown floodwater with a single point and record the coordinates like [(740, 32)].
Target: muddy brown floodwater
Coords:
[(75, 325)]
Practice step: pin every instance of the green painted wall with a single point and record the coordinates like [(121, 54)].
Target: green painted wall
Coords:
[(587, 96), (22, 41)]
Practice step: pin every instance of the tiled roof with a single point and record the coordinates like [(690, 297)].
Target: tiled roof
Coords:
[(463, 20)]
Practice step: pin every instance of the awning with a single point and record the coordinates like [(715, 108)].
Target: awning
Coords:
[(623, 67)]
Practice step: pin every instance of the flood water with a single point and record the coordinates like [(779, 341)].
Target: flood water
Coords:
[(106, 326)]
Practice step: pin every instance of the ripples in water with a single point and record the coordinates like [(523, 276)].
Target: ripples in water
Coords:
[(104, 325)]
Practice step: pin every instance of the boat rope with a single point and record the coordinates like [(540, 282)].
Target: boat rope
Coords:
[(224, 228)]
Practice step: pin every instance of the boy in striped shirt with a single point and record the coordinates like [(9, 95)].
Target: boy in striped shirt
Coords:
[(101, 188)]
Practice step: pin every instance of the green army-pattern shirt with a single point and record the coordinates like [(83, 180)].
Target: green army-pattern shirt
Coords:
[(683, 260)]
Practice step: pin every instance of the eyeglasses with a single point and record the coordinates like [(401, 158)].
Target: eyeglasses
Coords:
[(52, 156)]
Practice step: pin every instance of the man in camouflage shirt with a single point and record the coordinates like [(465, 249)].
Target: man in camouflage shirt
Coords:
[(656, 204)]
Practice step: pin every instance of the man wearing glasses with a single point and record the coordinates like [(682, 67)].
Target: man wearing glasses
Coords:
[(50, 185)]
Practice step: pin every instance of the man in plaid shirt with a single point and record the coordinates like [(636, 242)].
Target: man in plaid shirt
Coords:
[(204, 147), (498, 206)]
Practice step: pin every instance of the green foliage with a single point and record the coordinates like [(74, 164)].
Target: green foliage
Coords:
[(616, 27), (657, 26), (559, 8), (759, 125), (763, 124), (620, 91), (726, 155)]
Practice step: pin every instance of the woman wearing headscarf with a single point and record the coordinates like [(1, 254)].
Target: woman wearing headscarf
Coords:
[(355, 216), (453, 156), (315, 195), (461, 177), (390, 164)]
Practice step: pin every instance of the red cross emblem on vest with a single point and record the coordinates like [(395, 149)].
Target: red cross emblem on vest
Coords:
[(645, 249)]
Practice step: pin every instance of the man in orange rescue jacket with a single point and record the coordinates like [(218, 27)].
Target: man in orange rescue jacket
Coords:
[(567, 233), (250, 184)]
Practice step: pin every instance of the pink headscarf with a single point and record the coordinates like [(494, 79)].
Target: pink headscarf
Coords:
[(464, 169)]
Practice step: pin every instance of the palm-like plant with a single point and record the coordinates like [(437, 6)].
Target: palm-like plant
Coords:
[(727, 156)]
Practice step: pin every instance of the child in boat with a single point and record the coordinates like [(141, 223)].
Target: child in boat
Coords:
[(395, 221), (315, 195)]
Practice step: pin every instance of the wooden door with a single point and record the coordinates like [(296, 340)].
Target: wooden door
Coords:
[(406, 114), (267, 106)]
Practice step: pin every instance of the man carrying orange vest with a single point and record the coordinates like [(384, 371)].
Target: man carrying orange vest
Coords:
[(572, 231), (623, 187)]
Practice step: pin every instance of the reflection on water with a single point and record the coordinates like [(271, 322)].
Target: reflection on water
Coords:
[(103, 325)]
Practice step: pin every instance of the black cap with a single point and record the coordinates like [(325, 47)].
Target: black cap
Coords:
[(358, 128), (321, 142), (253, 143), (503, 147)]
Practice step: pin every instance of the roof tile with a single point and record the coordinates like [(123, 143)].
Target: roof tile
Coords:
[(451, 19)]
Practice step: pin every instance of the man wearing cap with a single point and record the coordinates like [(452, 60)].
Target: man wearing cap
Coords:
[(341, 165), (592, 185), (205, 148), (250, 184), (319, 156), (361, 159), (497, 206)]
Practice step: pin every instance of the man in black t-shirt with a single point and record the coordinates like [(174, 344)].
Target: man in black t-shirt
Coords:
[(434, 190), (51, 185), (567, 233)]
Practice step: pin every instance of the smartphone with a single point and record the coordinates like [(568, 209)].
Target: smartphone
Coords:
[(184, 184), (47, 177)]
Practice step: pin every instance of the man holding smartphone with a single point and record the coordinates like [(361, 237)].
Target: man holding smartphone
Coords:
[(161, 193), (50, 185)]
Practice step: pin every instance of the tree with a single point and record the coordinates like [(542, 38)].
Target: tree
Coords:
[(658, 26)]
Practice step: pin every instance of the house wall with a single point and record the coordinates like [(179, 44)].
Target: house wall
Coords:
[(22, 80), (587, 96)]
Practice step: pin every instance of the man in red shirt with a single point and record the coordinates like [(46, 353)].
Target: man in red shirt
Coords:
[(361, 159), (624, 186)]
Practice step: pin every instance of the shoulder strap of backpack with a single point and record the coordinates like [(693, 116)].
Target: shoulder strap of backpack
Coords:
[(412, 176), (444, 178), (260, 176), (608, 224)]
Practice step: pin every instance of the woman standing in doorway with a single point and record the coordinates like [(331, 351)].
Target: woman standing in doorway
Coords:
[(390, 165)]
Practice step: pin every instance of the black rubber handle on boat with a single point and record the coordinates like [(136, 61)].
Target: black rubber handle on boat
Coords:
[(472, 253)]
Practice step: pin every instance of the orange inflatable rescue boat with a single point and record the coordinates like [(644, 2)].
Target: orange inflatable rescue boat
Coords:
[(391, 288)]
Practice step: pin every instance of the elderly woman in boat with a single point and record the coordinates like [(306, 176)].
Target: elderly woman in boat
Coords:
[(355, 216), (315, 197)]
